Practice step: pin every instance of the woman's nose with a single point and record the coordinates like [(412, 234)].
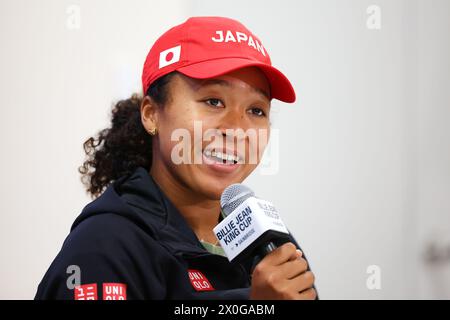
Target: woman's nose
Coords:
[(233, 119)]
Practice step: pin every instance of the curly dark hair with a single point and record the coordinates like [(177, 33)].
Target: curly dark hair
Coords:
[(125, 145)]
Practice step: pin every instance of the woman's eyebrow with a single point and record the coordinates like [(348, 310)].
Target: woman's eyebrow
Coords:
[(225, 83)]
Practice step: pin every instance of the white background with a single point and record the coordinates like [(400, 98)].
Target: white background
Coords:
[(364, 174)]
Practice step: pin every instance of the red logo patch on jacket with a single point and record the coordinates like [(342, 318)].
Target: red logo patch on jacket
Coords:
[(86, 292), (199, 281), (114, 291)]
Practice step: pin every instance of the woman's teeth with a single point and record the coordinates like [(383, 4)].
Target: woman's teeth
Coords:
[(222, 157)]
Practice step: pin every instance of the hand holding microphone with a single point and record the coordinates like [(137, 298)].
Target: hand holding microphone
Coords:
[(251, 229), (283, 274)]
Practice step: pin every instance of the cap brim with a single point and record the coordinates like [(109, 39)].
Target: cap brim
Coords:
[(280, 87)]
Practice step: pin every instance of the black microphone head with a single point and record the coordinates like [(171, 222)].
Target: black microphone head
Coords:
[(233, 196)]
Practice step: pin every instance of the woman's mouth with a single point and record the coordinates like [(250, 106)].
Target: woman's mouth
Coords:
[(221, 161)]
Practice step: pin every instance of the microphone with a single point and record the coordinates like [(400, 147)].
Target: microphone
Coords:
[(251, 228)]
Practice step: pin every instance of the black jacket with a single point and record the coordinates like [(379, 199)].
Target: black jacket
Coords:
[(132, 243)]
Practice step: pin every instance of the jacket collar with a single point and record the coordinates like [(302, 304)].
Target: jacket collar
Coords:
[(151, 209)]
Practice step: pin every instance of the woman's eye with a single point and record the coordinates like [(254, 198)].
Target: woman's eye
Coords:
[(257, 112), (214, 102)]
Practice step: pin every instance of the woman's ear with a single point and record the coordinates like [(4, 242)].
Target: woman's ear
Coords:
[(149, 115)]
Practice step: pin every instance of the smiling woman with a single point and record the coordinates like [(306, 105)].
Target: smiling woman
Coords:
[(149, 234)]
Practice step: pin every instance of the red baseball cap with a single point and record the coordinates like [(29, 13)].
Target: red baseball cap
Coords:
[(207, 47)]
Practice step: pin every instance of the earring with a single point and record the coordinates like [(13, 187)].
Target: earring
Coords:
[(152, 131)]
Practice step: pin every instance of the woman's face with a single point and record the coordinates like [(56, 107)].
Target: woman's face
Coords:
[(198, 127)]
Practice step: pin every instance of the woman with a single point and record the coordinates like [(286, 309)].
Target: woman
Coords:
[(149, 235)]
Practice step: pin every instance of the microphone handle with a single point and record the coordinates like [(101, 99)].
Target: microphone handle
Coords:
[(266, 249), (261, 253)]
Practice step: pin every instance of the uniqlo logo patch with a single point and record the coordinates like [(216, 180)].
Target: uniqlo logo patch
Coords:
[(114, 291), (86, 292), (169, 56), (199, 281)]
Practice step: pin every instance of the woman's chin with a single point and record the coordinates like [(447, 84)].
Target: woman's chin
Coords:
[(214, 186)]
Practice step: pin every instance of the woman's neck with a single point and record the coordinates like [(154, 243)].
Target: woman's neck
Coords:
[(201, 214)]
